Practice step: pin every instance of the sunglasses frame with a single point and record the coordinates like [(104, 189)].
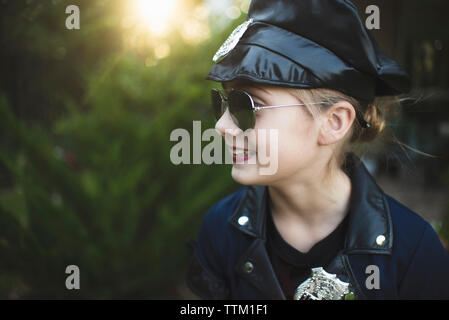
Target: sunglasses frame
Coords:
[(256, 107)]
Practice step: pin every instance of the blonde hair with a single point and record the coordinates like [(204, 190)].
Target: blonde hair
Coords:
[(359, 140)]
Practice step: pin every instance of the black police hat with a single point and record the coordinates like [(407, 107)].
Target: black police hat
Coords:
[(308, 44)]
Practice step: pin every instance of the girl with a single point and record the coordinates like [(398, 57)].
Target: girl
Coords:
[(319, 227)]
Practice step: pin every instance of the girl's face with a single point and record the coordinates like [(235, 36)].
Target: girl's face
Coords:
[(291, 152)]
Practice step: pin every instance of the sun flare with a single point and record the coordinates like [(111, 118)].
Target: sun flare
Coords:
[(155, 14)]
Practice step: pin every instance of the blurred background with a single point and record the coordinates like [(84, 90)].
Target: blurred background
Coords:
[(85, 121)]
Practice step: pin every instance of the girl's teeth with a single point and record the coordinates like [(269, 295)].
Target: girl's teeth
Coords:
[(246, 153)]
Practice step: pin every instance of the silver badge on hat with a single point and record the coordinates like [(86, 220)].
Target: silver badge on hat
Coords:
[(322, 286), (232, 40)]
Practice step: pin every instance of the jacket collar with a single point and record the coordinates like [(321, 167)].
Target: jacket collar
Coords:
[(370, 227)]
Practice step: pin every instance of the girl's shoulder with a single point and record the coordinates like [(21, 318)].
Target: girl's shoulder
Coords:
[(419, 255), (404, 219), (414, 237), (215, 221), (222, 210)]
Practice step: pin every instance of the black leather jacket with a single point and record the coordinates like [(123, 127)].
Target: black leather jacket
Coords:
[(230, 261)]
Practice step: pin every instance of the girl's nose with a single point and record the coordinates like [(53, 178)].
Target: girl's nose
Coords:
[(226, 125)]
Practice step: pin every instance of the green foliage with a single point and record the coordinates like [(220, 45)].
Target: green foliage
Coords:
[(94, 186)]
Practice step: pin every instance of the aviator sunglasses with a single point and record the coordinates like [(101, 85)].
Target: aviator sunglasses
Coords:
[(242, 108)]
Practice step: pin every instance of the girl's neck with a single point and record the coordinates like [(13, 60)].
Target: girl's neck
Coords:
[(312, 202)]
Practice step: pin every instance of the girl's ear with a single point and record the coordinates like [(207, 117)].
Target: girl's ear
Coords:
[(336, 122)]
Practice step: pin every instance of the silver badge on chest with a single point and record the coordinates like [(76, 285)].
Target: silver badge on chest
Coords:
[(323, 286), (231, 41)]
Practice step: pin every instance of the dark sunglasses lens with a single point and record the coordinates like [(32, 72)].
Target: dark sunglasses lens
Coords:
[(216, 104), (241, 108)]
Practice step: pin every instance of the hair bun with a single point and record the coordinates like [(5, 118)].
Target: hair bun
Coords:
[(376, 120)]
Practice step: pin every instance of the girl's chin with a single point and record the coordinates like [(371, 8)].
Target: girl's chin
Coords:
[(245, 175)]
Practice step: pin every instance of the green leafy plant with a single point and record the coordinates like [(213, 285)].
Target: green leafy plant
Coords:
[(90, 182)]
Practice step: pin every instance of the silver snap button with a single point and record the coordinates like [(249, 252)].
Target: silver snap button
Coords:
[(243, 220), (249, 267), (380, 240)]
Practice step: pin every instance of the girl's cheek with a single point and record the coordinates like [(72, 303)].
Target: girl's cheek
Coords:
[(267, 141)]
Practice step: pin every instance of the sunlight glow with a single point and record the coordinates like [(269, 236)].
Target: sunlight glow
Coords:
[(195, 31), (156, 14), (233, 12), (150, 25)]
